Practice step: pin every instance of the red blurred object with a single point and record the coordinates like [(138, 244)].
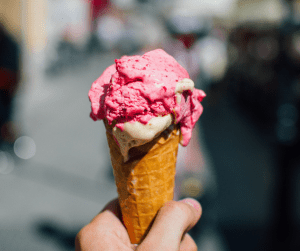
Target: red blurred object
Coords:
[(8, 80), (187, 39), (98, 7)]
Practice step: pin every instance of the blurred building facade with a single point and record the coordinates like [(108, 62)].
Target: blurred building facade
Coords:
[(11, 17)]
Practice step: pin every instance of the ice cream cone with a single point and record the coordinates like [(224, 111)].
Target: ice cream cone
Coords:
[(146, 181), (138, 97)]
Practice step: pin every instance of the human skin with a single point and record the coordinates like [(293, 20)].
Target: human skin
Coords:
[(168, 232)]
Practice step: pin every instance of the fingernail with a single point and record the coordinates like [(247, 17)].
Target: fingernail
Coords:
[(195, 204)]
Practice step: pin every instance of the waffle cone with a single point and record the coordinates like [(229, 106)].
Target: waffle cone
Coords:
[(146, 181)]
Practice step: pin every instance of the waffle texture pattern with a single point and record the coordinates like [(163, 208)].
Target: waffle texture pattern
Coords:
[(146, 181)]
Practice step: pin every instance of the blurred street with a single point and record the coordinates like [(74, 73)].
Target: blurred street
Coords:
[(66, 183), (242, 163)]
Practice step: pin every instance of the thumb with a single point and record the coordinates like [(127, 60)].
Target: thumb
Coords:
[(196, 209), (172, 221)]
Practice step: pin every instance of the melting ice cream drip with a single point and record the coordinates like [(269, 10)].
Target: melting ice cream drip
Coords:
[(181, 86), (136, 134)]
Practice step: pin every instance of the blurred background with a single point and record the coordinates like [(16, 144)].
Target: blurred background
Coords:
[(242, 163)]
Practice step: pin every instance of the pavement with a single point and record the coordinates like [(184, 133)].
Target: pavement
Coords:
[(56, 177)]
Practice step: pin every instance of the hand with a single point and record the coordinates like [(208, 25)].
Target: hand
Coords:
[(168, 232)]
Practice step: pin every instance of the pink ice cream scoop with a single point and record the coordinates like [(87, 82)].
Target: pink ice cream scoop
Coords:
[(140, 88)]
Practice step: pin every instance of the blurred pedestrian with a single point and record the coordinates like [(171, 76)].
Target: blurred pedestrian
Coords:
[(9, 79)]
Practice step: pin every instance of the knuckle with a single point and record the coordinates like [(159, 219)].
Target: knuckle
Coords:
[(188, 244), (79, 238), (191, 243), (193, 246), (81, 233)]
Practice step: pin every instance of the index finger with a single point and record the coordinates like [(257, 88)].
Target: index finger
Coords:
[(173, 220)]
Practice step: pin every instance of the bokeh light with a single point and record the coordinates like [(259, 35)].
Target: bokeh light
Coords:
[(25, 147)]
